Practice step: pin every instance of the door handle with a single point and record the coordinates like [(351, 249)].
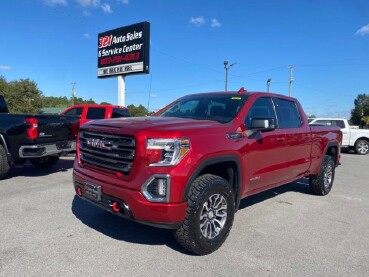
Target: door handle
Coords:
[(280, 139), (306, 138)]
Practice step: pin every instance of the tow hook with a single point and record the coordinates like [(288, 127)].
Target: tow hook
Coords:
[(79, 192), (115, 207)]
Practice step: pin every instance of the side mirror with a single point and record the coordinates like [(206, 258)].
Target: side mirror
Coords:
[(263, 124)]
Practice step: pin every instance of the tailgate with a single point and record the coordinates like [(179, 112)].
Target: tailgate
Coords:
[(53, 128)]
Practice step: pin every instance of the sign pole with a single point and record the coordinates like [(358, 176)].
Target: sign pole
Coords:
[(121, 90)]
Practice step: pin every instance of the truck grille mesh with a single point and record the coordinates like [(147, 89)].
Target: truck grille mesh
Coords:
[(106, 150)]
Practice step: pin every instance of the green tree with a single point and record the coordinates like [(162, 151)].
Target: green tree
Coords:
[(51, 102), (3, 86), (138, 111), (22, 96), (81, 101), (360, 109)]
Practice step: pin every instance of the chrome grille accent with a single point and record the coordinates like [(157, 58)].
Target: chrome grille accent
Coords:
[(106, 150)]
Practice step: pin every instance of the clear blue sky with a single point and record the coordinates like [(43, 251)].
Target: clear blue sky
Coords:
[(54, 42)]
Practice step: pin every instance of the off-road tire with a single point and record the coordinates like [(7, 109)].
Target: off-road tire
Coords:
[(362, 147), (44, 162), (322, 183), (4, 163), (190, 234)]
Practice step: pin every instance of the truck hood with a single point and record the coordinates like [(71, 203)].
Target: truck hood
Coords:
[(133, 125)]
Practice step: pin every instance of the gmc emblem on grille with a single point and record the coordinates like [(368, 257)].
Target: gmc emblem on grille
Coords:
[(98, 143)]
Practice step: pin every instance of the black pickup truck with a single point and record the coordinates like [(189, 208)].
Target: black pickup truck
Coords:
[(41, 139)]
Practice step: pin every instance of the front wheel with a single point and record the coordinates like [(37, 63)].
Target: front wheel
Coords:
[(209, 215), (44, 162), (362, 147), (322, 183)]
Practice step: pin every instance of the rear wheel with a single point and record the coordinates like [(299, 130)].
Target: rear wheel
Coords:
[(321, 184), (209, 215), (44, 162), (362, 147), (4, 163)]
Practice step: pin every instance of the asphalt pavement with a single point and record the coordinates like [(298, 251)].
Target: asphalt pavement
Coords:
[(45, 230)]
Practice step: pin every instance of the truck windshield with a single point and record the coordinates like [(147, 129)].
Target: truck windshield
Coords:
[(222, 108)]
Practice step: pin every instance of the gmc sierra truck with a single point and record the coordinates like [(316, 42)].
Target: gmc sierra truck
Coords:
[(41, 139), (188, 167)]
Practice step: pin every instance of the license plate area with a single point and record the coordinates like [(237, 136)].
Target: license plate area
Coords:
[(92, 191)]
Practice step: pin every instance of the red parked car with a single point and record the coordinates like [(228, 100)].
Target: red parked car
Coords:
[(89, 112)]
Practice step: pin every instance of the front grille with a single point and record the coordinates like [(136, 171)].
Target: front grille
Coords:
[(106, 150)]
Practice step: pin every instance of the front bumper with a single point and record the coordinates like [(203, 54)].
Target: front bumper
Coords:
[(41, 150), (133, 205)]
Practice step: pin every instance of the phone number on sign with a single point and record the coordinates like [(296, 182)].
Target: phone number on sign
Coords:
[(119, 59)]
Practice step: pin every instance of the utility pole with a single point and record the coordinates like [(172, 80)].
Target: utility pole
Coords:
[(227, 67), (268, 84), (73, 92), (291, 79)]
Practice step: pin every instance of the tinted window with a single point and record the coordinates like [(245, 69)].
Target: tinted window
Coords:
[(95, 113), (74, 111), (222, 108), (323, 122), (288, 114), (120, 113), (339, 123), (262, 108)]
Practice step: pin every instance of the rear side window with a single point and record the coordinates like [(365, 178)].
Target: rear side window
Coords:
[(323, 122), (74, 111), (95, 113), (288, 113), (339, 123), (120, 113)]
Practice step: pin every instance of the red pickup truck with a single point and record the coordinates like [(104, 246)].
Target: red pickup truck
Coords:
[(188, 167), (89, 112)]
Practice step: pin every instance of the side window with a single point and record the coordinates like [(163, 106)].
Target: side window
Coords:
[(323, 123), (95, 113), (288, 113), (120, 113), (262, 108), (74, 111), (339, 123)]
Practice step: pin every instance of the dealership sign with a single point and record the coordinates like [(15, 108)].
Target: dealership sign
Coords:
[(124, 51)]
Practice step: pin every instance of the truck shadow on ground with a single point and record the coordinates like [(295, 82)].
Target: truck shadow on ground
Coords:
[(123, 229), (301, 186), (129, 231), (28, 170)]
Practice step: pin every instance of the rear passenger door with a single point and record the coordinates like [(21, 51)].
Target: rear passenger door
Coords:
[(298, 138)]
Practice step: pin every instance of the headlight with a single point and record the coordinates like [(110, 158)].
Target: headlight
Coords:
[(168, 151)]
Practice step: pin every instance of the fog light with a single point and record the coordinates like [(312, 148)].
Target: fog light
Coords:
[(162, 187), (157, 188)]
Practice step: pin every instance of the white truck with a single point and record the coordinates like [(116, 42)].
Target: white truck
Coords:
[(353, 138)]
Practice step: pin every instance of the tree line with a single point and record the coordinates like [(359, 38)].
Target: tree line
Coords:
[(23, 96)]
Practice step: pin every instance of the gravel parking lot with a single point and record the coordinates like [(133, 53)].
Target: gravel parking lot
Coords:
[(46, 231)]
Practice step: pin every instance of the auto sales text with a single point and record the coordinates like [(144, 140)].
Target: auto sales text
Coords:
[(120, 50)]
